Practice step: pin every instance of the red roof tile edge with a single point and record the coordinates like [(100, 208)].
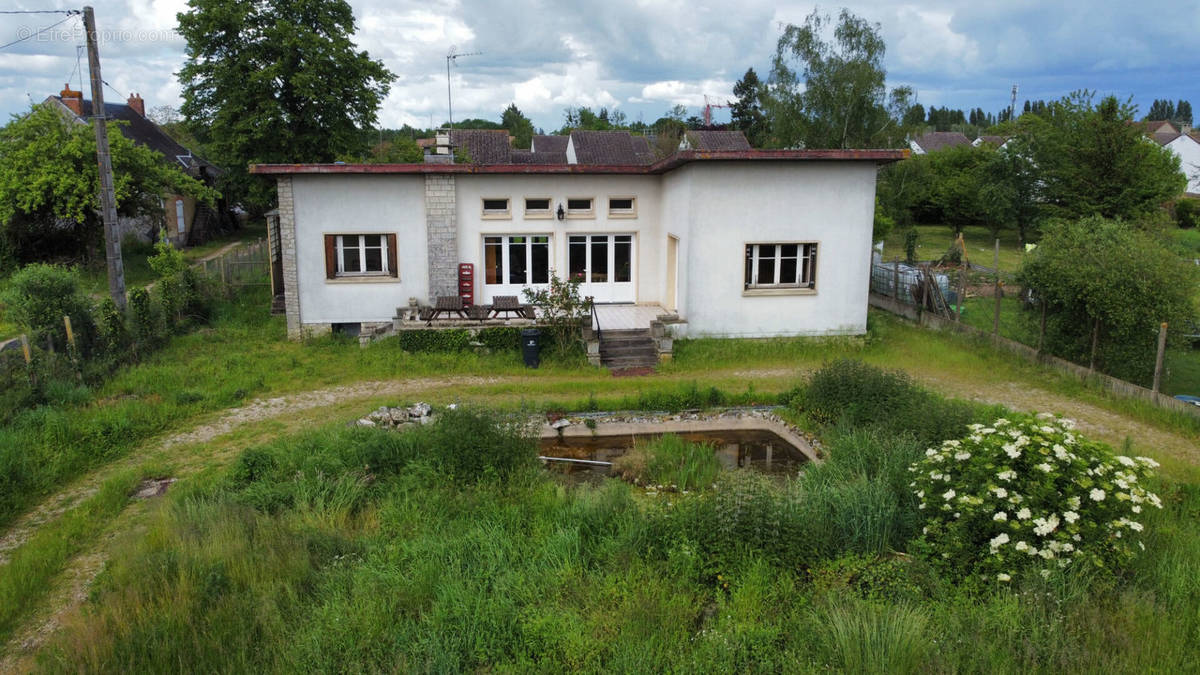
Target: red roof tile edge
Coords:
[(662, 166)]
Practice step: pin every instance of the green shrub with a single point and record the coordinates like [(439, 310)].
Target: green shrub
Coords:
[(1028, 495), (1187, 212), (448, 340), (471, 444), (144, 319), (871, 577), (500, 338), (670, 461), (40, 295), (860, 395)]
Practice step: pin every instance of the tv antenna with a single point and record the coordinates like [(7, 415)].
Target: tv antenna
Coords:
[(452, 56)]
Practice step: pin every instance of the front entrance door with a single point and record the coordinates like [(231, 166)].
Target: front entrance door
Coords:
[(605, 264)]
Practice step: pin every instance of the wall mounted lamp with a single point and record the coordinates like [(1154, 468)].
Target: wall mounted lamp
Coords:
[(561, 213)]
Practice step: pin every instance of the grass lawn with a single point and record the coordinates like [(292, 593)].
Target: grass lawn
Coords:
[(934, 240), (310, 552)]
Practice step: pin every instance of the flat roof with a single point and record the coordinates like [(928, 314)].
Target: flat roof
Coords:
[(661, 166)]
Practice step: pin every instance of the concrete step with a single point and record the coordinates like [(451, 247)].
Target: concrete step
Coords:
[(606, 334), (616, 364), (641, 350)]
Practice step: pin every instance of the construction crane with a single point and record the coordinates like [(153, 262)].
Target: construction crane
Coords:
[(708, 106), (452, 56)]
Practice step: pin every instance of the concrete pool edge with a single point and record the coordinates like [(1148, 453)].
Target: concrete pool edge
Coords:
[(650, 425)]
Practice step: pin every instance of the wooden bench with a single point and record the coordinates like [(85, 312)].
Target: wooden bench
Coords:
[(509, 304), (447, 305)]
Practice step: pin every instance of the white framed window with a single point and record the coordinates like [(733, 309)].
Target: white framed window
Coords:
[(622, 207), (517, 259), (580, 207), (538, 207), (784, 265), (360, 255), (496, 207)]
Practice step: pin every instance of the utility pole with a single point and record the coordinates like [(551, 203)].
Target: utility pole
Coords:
[(108, 197)]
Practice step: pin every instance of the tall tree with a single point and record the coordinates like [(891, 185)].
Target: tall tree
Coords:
[(1183, 112), (834, 94), (1160, 110), (746, 112), (1092, 161), (49, 185), (518, 125), (276, 81)]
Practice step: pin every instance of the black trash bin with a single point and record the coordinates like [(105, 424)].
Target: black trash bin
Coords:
[(531, 347)]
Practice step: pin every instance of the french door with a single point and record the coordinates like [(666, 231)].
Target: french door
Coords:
[(604, 263), (514, 262)]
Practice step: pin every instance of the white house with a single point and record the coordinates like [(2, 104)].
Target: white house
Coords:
[(738, 243), (1181, 141)]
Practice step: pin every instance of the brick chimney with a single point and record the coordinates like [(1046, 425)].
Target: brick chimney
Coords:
[(139, 106), (72, 99)]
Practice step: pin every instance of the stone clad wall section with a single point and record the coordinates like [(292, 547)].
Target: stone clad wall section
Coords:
[(441, 220), (287, 242)]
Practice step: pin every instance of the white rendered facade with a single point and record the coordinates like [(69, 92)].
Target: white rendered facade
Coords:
[(677, 237)]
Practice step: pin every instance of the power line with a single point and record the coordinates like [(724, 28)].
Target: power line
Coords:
[(39, 31), (39, 11)]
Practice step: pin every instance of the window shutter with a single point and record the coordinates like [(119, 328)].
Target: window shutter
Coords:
[(391, 252), (330, 256)]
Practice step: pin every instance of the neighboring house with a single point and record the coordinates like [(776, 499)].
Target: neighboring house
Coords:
[(745, 243), (937, 140), (1185, 144), (700, 139), (997, 142), (185, 221)]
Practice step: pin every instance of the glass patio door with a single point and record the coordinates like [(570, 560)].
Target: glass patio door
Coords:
[(604, 264), (512, 263)]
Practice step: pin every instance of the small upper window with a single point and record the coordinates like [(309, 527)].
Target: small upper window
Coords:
[(537, 206), (622, 206), (495, 206), (579, 206)]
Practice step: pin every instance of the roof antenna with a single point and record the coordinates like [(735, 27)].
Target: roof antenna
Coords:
[(453, 55)]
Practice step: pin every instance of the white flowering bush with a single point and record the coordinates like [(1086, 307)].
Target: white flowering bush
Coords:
[(1029, 496)]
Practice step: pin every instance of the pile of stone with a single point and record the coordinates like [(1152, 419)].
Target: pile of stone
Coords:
[(395, 418)]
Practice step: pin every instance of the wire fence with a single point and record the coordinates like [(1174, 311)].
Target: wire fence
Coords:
[(990, 302), (247, 265)]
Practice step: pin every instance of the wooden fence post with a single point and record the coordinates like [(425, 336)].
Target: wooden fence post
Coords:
[(1095, 344), (996, 317), (962, 290), (1158, 360), (1042, 330), (70, 333), (28, 359), (925, 281)]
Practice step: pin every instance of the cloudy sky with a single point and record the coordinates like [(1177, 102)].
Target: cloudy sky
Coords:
[(644, 56)]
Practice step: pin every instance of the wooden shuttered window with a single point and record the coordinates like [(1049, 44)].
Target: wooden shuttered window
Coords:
[(331, 255), (391, 256)]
